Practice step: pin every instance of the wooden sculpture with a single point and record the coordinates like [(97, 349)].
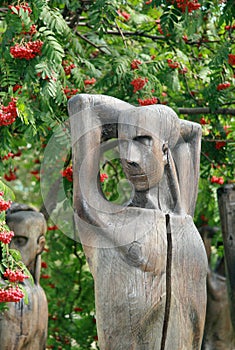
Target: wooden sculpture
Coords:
[(147, 257), (24, 326), (226, 201), (218, 330)]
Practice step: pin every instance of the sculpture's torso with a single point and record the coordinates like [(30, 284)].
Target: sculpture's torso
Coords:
[(145, 275)]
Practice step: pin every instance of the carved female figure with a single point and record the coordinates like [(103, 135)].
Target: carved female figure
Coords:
[(147, 258)]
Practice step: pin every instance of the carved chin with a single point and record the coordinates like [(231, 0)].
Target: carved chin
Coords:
[(141, 182)]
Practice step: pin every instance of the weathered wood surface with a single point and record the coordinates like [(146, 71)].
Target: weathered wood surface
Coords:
[(218, 331), (226, 201), (24, 326), (147, 259)]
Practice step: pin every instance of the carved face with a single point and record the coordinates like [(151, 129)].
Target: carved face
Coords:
[(143, 154), (29, 235)]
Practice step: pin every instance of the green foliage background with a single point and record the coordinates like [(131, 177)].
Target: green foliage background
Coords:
[(101, 43)]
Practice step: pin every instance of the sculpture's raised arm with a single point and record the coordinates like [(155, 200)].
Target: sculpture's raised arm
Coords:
[(187, 159), (92, 118)]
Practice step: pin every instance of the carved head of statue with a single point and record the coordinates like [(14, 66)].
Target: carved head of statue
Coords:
[(29, 227), (146, 134)]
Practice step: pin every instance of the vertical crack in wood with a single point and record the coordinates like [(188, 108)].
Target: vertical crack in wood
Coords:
[(168, 282)]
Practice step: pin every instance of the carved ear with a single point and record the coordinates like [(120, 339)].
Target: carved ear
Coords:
[(41, 244)]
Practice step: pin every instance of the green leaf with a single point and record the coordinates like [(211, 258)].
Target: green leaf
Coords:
[(15, 254)]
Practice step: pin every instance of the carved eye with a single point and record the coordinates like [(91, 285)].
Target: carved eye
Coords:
[(144, 140), (19, 241)]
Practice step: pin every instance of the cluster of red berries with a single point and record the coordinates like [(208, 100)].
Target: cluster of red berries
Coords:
[(44, 265), (135, 64), (68, 173), (231, 59), (32, 31), (203, 121), (172, 64), (17, 87), (217, 180), (35, 173), (16, 9), (103, 177), (70, 92), (230, 27), (90, 81), (148, 101), (77, 309), (159, 28), (227, 129), (68, 67), (11, 176), (11, 294), (12, 155), (138, 83), (52, 228), (223, 86), (175, 65), (8, 114), (184, 70), (220, 144), (27, 51), (184, 5), (15, 276), (124, 14), (4, 205), (6, 236)]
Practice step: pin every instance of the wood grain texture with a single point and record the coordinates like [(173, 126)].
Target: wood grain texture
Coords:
[(226, 201), (147, 259)]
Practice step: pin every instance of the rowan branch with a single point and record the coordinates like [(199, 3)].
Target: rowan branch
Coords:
[(90, 42), (206, 110)]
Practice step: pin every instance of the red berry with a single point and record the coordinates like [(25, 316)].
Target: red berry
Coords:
[(90, 81), (138, 83), (223, 86), (135, 64), (103, 177), (231, 59), (148, 101), (52, 228), (220, 144), (68, 173), (124, 14), (172, 64)]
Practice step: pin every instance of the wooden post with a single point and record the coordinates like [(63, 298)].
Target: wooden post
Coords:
[(147, 257), (226, 200), (218, 331)]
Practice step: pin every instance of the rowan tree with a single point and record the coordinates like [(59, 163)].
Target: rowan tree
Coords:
[(175, 52)]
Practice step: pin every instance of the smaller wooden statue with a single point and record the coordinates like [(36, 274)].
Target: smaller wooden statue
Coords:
[(218, 331), (24, 326)]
